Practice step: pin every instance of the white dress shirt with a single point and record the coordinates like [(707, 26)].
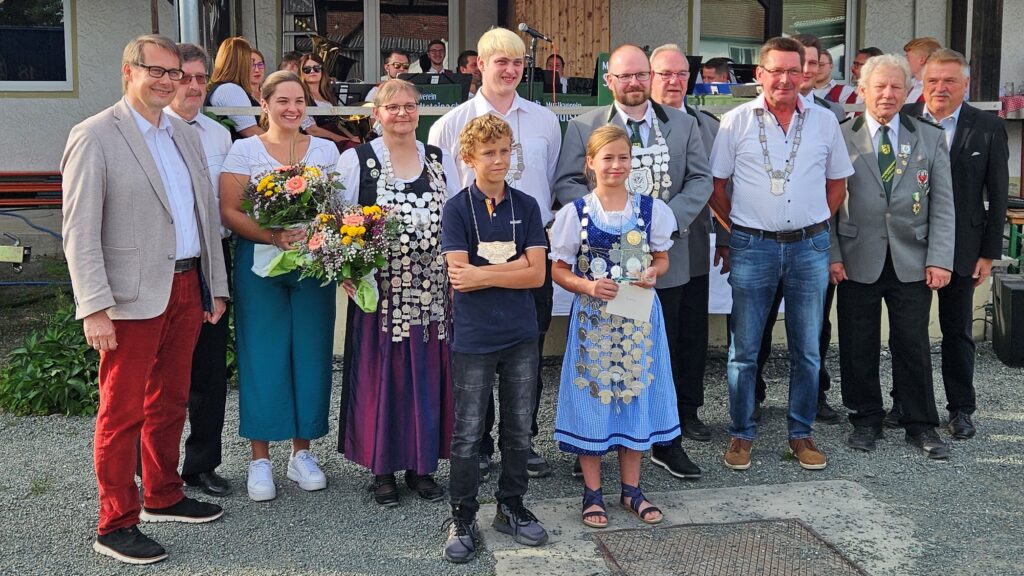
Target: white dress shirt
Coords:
[(916, 89), (216, 141), (876, 134), (177, 181), (533, 125), (948, 124), (645, 123), (737, 154)]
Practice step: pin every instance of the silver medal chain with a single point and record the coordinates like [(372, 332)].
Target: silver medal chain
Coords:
[(762, 136), (476, 226)]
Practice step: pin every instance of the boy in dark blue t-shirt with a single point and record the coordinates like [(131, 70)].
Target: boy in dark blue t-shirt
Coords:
[(493, 240)]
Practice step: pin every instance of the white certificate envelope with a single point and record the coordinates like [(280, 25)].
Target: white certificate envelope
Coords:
[(632, 302)]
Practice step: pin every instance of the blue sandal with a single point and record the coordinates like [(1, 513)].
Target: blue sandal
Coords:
[(594, 498), (636, 499)]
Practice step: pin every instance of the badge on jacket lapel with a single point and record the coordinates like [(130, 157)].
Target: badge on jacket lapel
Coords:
[(922, 178)]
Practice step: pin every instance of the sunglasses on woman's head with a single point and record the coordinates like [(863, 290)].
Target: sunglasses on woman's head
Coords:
[(311, 69)]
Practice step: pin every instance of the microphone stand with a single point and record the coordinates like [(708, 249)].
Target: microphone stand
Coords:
[(531, 64)]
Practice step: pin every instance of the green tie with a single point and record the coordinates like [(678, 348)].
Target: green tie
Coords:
[(634, 132), (886, 161)]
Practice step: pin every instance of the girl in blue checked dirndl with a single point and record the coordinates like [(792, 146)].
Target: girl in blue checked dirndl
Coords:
[(616, 390)]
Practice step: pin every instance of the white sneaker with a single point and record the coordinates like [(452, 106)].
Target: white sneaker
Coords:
[(303, 468), (261, 480)]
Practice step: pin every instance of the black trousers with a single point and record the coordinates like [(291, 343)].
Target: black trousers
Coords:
[(860, 317), (824, 340), (208, 393), (686, 324), (956, 303), (543, 300)]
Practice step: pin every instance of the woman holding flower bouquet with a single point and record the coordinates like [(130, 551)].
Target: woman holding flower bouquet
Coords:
[(284, 326), (396, 411)]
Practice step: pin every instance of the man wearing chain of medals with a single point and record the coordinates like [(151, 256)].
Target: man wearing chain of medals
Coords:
[(536, 139), (788, 166), (670, 163), (670, 75)]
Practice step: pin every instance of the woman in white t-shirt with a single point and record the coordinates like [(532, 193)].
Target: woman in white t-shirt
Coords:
[(284, 327), (229, 85)]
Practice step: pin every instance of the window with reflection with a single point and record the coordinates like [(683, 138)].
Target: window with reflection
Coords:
[(35, 45)]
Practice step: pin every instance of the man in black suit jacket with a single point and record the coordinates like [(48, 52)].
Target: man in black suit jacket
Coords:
[(978, 156)]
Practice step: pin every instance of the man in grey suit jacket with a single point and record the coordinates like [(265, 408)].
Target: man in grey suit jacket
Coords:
[(670, 74), (142, 240), (670, 163), (893, 241)]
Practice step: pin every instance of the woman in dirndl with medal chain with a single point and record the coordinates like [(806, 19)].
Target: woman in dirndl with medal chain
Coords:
[(396, 407), (616, 389)]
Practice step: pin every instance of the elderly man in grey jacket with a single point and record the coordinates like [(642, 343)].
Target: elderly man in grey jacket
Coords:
[(670, 162), (894, 241)]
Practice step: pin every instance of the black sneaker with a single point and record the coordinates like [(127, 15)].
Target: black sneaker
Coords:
[(695, 429), (186, 510), (893, 417), (129, 545), (463, 535), (514, 519), (826, 415), (863, 438), (929, 441), (536, 465), (674, 459)]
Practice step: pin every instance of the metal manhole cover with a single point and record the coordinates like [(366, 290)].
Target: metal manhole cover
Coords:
[(753, 548)]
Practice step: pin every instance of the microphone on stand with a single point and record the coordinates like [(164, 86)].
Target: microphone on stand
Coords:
[(525, 28)]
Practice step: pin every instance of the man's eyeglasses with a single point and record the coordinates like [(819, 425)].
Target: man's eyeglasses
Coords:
[(175, 74), (311, 69), (399, 65), (669, 76), (627, 78), (396, 108), (186, 79), (258, 65), (777, 73)]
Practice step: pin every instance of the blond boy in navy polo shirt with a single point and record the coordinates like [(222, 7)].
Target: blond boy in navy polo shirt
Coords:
[(494, 243)]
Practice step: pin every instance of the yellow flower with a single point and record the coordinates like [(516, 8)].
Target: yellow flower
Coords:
[(311, 172), (361, 230), (324, 218), (344, 229), (268, 193), (360, 242), (346, 240)]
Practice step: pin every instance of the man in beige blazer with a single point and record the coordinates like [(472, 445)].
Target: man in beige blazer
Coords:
[(142, 243)]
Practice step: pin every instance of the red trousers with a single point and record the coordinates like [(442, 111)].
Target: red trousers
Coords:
[(143, 394)]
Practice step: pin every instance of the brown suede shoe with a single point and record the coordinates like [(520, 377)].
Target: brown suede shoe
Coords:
[(807, 454), (737, 457)]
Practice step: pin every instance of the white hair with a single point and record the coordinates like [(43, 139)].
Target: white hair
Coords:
[(885, 61), (667, 48)]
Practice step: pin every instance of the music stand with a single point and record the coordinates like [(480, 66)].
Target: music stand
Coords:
[(424, 79)]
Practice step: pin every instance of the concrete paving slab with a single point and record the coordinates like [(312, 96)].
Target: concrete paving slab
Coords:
[(842, 512)]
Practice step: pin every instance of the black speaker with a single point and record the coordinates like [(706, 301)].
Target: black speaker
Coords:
[(1008, 326)]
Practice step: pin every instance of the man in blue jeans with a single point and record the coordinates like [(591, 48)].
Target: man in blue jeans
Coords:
[(788, 165), (494, 243)]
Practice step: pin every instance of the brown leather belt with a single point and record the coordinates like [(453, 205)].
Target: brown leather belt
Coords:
[(784, 237), (185, 265)]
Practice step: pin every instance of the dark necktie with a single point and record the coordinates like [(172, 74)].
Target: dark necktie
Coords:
[(634, 132), (192, 122), (886, 161)]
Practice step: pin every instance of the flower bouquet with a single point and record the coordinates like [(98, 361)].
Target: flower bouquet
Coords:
[(350, 244), (287, 197)]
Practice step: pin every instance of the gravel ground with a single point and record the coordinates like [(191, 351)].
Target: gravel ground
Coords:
[(968, 513)]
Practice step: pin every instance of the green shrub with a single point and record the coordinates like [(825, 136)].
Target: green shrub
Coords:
[(54, 372)]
